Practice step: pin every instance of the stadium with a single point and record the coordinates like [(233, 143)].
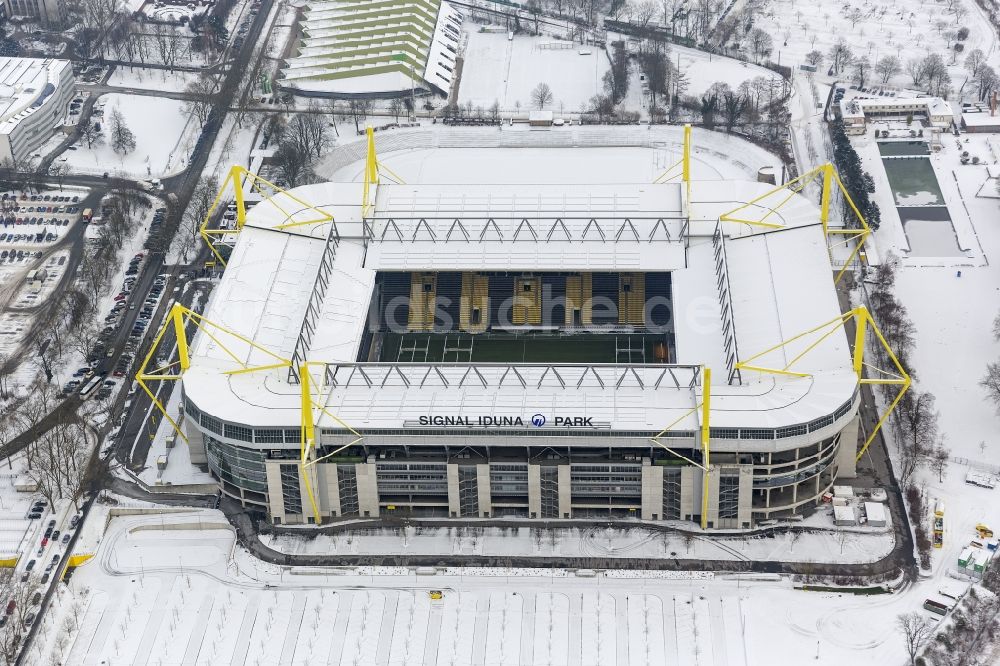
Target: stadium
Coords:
[(661, 351)]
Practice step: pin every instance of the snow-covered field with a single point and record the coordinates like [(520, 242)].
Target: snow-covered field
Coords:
[(164, 137), (506, 71), (151, 79), (155, 589), (907, 29), (703, 69)]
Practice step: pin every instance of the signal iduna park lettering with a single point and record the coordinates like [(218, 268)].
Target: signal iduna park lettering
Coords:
[(489, 421)]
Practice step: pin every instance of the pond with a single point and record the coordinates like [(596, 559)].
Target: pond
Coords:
[(891, 148), (913, 181), (930, 232)]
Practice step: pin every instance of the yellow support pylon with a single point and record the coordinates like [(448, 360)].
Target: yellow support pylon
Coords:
[(704, 439), (374, 171), (829, 177), (311, 409), (706, 431), (236, 178), (684, 163), (897, 376), (178, 318)]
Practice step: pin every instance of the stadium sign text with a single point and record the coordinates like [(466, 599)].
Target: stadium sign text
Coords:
[(489, 421)]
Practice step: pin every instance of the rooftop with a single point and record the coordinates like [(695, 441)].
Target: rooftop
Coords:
[(24, 85), (779, 284)]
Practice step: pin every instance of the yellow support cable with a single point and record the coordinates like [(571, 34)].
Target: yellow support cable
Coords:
[(829, 178), (178, 318), (236, 177), (862, 320)]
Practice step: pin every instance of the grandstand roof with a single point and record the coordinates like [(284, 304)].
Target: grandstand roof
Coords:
[(361, 47), (778, 283)]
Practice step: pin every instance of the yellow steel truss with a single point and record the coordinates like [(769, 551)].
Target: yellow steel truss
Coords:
[(235, 178), (829, 176), (313, 405), (704, 438), (177, 319), (896, 376), (374, 170), (684, 163), (314, 408)]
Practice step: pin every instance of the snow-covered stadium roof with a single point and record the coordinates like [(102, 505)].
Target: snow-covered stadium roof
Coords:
[(776, 284), (375, 47)]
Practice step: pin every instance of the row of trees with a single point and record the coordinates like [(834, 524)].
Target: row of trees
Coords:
[(929, 72), (858, 182), (915, 429)]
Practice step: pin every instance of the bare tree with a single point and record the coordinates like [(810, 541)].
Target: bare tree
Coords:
[(59, 462), (991, 382), (939, 459), (122, 138), (89, 133), (840, 55), (918, 430), (541, 96), (887, 67), (358, 110), (293, 163), (916, 631), (202, 91), (814, 58), (974, 61), (861, 67), (761, 43)]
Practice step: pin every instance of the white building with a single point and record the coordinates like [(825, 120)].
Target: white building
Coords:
[(857, 111), (34, 95), (525, 350)]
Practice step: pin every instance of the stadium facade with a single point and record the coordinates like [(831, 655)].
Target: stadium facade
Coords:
[(533, 351)]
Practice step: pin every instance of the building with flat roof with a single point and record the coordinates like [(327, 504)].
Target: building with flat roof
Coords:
[(359, 48), (858, 111), (34, 97), (532, 350), (50, 12)]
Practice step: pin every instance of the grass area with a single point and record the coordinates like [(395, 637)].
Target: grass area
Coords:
[(518, 348)]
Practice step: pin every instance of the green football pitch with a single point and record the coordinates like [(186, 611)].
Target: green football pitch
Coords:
[(518, 348)]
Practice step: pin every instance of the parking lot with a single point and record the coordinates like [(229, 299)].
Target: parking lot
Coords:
[(102, 373)]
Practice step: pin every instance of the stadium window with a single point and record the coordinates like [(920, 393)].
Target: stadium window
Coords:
[(476, 316), (526, 287), (428, 286)]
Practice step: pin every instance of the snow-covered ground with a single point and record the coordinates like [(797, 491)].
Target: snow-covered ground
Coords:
[(703, 69), (506, 71), (151, 79), (203, 600), (164, 137), (906, 29), (862, 544)]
